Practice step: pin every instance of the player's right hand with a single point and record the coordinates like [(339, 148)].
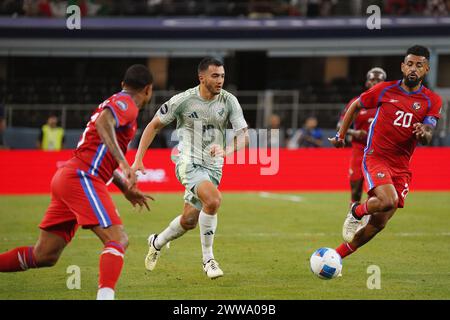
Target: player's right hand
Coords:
[(217, 151), (337, 142)]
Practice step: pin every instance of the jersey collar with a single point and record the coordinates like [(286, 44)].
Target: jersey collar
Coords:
[(407, 92)]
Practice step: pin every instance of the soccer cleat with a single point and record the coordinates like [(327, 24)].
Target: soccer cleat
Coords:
[(364, 221), (212, 269), (153, 253), (351, 224)]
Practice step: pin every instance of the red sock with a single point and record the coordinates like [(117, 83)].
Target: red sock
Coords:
[(345, 249), (361, 210), (111, 262), (18, 259)]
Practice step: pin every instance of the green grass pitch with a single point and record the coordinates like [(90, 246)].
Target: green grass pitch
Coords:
[(263, 244)]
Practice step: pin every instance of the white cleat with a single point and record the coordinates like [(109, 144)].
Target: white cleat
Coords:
[(364, 221), (351, 225), (212, 269), (153, 254)]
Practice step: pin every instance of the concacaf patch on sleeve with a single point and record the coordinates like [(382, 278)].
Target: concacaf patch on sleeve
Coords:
[(164, 108), (122, 105)]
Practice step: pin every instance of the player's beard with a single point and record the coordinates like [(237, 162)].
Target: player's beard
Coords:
[(411, 83), (212, 89)]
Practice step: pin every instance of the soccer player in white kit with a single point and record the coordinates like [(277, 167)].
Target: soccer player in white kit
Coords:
[(202, 115)]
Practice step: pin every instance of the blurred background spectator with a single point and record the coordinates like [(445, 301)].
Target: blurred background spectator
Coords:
[(310, 136), (51, 137), (275, 133)]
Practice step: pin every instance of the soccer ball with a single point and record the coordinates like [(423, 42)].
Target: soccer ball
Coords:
[(326, 263)]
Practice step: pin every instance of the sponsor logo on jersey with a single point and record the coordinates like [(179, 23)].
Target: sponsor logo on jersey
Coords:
[(221, 112), (193, 115), (393, 101), (416, 105), (122, 105), (380, 175)]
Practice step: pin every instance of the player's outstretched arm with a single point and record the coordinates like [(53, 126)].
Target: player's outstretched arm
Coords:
[(151, 130), (105, 125), (339, 140)]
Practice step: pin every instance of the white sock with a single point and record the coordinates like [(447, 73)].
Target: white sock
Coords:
[(208, 225), (172, 232), (105, 294)]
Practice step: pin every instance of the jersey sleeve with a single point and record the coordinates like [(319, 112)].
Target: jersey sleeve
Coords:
[(123, 112), (236, 115), (369, 98), (168, 111), (436, 106)]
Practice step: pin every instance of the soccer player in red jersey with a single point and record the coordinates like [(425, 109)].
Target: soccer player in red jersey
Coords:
[(358, 134), (407, 113), (79, 188)]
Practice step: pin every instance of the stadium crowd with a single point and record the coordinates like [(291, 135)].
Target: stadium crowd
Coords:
[(242, 8)]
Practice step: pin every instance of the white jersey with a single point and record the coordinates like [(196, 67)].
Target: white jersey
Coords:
[(201, 123)]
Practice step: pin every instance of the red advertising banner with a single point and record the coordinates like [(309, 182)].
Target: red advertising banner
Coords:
[(30, 172)]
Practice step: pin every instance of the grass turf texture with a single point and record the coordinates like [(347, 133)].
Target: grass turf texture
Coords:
[(263, 245)]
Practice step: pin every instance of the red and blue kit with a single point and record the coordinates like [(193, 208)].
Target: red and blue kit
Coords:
[(79, 188), (362, 122), (390, 141)]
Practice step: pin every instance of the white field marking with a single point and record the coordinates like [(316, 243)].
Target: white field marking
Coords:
[(254, 234), (278, 196)]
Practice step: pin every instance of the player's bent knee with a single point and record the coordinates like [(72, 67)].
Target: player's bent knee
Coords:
[(213, 203), (188, 223)]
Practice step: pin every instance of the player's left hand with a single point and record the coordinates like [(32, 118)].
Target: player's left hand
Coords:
[(136, 197), (129, 174), (419, 130), (338, 143), (217, 151)]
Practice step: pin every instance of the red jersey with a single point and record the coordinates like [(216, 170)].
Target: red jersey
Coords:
[(391, 135), (92, 155), (362, 122)]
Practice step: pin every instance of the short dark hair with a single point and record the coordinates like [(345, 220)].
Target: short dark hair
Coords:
[(208, 61), (420, 51), (138, 76)]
